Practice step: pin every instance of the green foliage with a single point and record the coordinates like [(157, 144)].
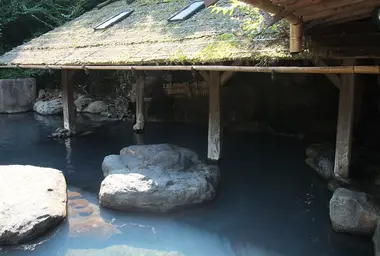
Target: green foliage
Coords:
[(21, 20)]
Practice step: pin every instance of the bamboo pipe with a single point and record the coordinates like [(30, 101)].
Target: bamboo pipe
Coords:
[(221, 68), (295, 38)]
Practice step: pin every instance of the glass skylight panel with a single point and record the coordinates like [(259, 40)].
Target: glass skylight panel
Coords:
[(111, 21), (188, 11)]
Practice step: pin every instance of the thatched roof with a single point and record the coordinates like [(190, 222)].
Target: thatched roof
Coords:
[(145, 37)]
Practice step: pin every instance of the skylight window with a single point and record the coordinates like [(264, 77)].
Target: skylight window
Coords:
[(188, 11), (113, 20)]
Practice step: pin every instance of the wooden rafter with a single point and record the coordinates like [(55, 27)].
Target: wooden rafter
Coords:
[(324, 5), (268, 6), (348, 10)]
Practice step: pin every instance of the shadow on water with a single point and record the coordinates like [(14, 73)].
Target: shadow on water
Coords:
[(270, 203)]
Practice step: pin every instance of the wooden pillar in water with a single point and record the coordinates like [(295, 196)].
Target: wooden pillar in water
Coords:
[(140, 119), (345, 125), (214, 124), (68, 101)]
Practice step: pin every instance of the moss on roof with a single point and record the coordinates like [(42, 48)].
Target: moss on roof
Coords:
[(146, 37)]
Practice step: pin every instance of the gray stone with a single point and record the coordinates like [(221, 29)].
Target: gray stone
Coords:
[(351, 212), (376, 240), (49, 107), (17, 95), (157, 178), (321, 159), (96, 107), (82, 102), (32, 201)]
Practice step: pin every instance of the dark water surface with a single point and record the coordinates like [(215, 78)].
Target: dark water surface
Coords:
[(270, 202)]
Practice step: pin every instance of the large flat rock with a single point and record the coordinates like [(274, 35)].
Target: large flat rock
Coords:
[(32, 201), (156, 178)]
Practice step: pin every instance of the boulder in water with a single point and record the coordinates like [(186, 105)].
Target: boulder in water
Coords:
[(156, 178), (96, 107), (82, 102), (320, 158), (351, 212), (49, 107), (32, 201), (17, 95)]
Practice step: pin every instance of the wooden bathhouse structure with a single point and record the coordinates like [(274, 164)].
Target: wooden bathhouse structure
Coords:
[(192, 35)]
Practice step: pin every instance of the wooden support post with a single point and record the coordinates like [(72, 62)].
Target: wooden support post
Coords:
[(214, 124), (68, 101), (140, 120), (345, 126), (295, 38)]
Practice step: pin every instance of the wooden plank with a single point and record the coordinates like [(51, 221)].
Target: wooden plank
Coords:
[(68, 101), (140, 119), (345, 125), (332, 77), (214, 125)]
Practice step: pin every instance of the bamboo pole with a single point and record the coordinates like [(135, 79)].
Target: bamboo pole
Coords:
[(221, 68)]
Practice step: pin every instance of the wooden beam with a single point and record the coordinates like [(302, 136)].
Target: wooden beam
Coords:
[(268, 6), (296, 34), (226, 76), (205, 75), (68, 101), (345, 125), (343, 12), (214, 124), (323, 6), (332, 77), (140, 119), (224, 68)]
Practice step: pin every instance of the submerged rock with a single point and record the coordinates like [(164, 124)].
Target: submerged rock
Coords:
[(376, 240), (85, 219), (49, 107), (157, 178), (17, 95), (351, 212), (32, 201), (119, 250), (96, 107), (321, 159)]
